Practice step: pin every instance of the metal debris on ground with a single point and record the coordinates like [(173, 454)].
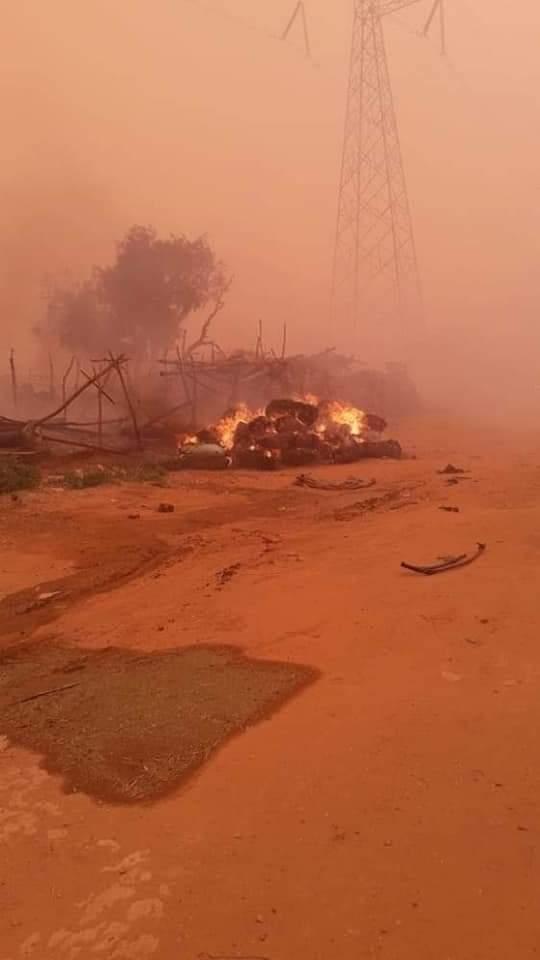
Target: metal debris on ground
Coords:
[(352, 483), (447, 563), (166, 508), (44, 597), (225, 575), (203, 456), (451, 469), (450, 509)]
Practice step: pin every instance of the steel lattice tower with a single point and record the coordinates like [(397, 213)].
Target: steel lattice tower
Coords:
[(375, 272)]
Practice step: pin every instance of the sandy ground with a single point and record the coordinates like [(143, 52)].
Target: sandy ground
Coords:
[(388, 810)]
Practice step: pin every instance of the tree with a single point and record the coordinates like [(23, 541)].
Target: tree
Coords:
[(143, 298), (76, 316)]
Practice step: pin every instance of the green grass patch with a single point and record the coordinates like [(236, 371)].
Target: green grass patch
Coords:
[(18, 476)]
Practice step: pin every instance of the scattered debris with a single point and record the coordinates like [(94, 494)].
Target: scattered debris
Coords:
[(134, 516), (44, 693), (450, 509), (352, 483), (40, 601), (447, 563), (166, 508), (45, 597), (227, 574), (360, 507), (451, 677), (84, 479), (203, 456), (230, 956), (451, 469)]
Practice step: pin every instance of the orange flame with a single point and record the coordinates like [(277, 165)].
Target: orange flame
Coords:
[(344, 415), (185, 440), (226, 428)]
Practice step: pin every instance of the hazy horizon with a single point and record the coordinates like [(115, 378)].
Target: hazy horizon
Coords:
[(194, 118)]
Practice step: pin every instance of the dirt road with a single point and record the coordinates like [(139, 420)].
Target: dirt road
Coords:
[(388, 809)]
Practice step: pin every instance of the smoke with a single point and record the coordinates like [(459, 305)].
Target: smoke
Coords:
[(130, 112)]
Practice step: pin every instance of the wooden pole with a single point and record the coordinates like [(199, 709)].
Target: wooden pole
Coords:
[(284, 342), (85, 386), (259, 349), (100, 415), (117, 363), (14, 390), (98, 386), (51, 377), (195, 385), (181, 366)]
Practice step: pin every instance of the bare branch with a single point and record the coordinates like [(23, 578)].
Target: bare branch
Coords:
[(202, 340)]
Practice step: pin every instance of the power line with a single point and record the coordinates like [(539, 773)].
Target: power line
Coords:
[(299, 13), (253, 26)]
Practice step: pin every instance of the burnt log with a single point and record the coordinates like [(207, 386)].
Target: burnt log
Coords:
[(307, 413), (375, 423), (254, 458)]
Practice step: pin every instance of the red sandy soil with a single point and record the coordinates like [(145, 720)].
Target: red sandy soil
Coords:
[(391, 809)]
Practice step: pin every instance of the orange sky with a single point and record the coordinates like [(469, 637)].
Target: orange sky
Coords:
[(122, 111)]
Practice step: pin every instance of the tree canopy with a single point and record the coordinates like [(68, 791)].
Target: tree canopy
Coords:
[(142, 299)]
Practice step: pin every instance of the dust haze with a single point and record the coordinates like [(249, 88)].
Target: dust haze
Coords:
[(191, 116)]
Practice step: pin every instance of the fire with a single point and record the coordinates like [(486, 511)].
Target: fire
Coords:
[(226, 428), (307, 398), (185, 440), (347, 416), (331, 414)]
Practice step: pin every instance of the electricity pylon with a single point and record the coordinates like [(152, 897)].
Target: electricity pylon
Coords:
[(376, 278)]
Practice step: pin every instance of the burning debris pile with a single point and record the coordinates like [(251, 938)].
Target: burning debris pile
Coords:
[(289, 432)]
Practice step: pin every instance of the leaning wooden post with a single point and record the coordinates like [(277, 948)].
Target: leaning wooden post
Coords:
[(118, 367), (100, 413), (194, 394), (14, 390), (188, 393), (56, 413)]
